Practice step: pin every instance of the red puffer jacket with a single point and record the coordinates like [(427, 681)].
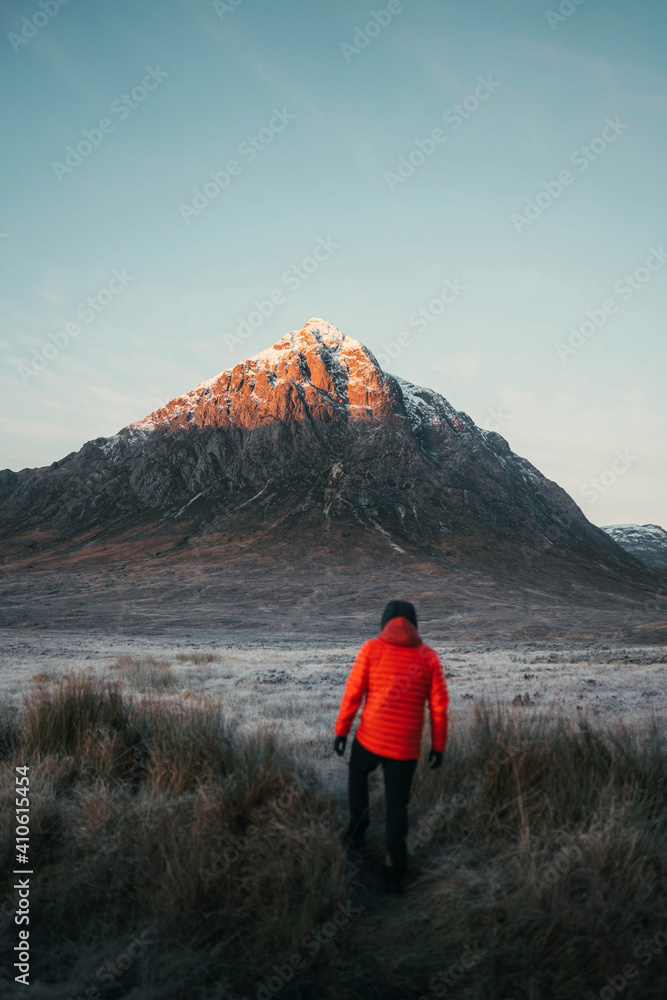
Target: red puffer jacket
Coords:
[(398, 673)]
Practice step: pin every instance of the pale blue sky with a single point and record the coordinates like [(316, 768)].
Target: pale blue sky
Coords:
[(219, 76)]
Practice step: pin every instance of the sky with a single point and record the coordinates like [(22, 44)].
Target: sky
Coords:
[(474, 191)]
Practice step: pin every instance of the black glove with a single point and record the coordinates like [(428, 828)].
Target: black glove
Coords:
[(339, 745), (435, 759)]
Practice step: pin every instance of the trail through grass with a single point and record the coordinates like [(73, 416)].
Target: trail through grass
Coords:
[(175, 858)]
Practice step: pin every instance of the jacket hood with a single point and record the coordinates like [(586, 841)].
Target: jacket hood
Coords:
[(401, 632)]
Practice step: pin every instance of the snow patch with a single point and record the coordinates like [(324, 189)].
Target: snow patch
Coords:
[(109, 445), (385, 534)]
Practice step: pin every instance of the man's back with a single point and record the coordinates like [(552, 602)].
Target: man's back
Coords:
[(397, 673)]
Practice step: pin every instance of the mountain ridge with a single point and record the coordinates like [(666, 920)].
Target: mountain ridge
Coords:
[(292, 495), (309, 444), (648, 542), (316, 371)]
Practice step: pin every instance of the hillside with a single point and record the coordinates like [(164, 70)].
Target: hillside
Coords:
[(304, 463)]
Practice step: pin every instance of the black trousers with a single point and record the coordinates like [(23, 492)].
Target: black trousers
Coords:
[(398, 775)]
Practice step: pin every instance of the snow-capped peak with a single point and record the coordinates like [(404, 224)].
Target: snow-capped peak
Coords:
[(317, 331), (316, 371), (647, 542)]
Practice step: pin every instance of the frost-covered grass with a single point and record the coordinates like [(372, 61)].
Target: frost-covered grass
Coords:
[(195, 656), (207, 829), (602, 680), (145, 673)]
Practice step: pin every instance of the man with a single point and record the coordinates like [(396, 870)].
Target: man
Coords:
[(397, 673)]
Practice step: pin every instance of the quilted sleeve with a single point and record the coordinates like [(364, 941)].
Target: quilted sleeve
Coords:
[(355, 689), (438, 703)]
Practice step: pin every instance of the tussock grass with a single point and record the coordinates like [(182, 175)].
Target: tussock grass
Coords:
[(553, 857), (541, 843), (199, 658), (149, 817), (145, 673)]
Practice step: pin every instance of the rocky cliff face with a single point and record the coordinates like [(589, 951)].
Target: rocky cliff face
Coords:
[(315, 373), (308, 445)]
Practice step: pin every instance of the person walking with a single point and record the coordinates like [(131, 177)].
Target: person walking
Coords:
[(397, 674)]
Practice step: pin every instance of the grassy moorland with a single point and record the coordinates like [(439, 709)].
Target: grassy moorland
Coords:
[(175, 857)]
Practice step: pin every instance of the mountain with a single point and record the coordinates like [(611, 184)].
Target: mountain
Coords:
[(310, 434), (305, 463), (648, 542)]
